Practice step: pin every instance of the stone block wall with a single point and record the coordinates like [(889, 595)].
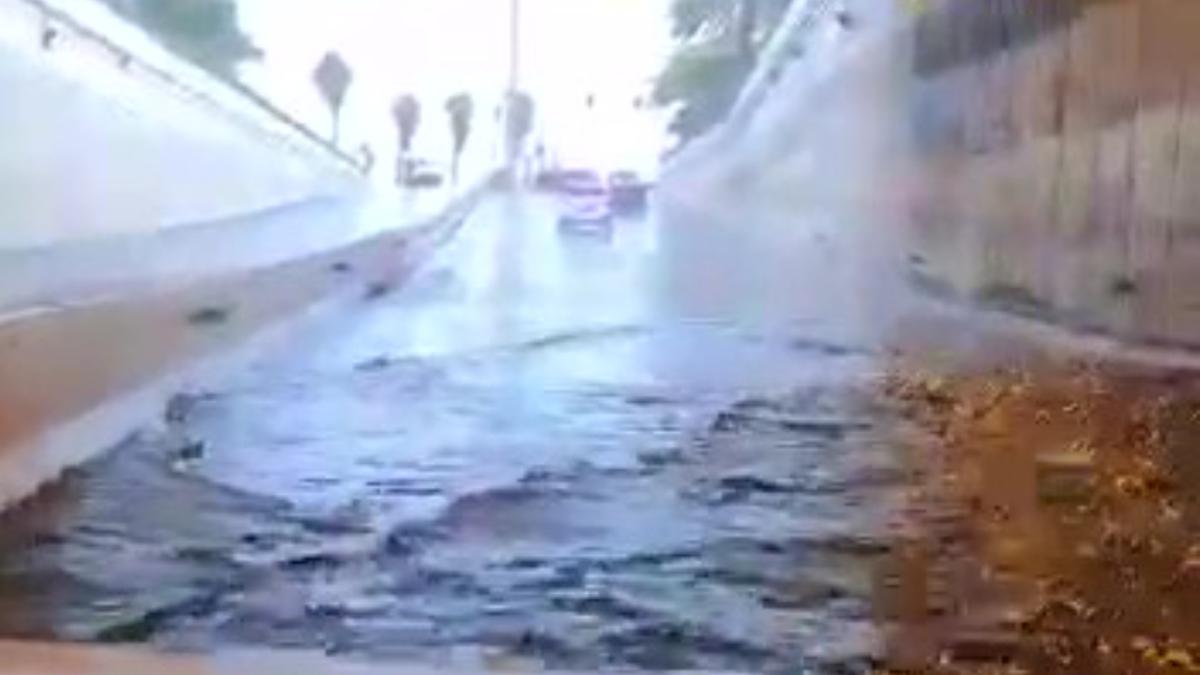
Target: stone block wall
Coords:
[(1055, 146)]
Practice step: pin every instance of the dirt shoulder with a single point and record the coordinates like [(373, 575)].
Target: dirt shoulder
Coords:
[(1053, 522)]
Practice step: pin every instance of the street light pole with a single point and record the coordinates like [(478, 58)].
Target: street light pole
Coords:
[(514, 46), (514, 58)]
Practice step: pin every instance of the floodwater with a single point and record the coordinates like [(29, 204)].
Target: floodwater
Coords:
[(647, 447)]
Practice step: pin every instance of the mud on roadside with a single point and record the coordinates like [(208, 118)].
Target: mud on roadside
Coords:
[(1053, 525)]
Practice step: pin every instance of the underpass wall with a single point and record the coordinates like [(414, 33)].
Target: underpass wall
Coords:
[(1036, 156), (158, 227), (105, 133), (1060, 164)]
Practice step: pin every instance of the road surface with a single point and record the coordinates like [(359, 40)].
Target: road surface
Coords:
[(649, 448)]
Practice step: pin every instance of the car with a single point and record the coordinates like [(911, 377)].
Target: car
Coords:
[(422, 173), (548, 179), (555, 180), (627, 191), (552, 180), (584, 200)]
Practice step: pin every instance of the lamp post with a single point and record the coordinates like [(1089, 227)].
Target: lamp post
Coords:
[(512, 144), (514, 44)]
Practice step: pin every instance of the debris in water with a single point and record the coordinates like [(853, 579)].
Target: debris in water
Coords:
[(178, 407), (374, 364), (181, 405), (207, 316), (1065, 476), (192, 451), (377, 290)]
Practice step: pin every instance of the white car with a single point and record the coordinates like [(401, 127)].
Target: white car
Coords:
[(584, 199)]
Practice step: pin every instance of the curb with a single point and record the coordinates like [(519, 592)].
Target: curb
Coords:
[(1058, 336)]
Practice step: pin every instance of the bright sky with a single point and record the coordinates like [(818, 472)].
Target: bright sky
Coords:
[(433, 48)]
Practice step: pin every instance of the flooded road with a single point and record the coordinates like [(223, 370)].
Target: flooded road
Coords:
[(649, 448)]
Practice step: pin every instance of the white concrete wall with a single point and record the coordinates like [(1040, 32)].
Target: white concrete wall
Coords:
[(94, 145)]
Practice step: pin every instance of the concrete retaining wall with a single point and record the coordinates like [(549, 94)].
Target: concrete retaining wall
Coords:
[(1062, 159), (106, 133), (1033, 155), (75, 381), (156, 225)]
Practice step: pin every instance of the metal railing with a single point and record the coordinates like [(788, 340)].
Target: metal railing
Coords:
[(126, 58)]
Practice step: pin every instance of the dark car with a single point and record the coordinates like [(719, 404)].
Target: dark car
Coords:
[(421, 173), (557, 180), (548, 179), (627, 191)]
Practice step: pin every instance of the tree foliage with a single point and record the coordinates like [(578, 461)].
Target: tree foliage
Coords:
[(461, 110), (739, 22), (704, 83), (406, 112), (333, 77), (718, 42), (203, 31), (519, 120), (702, 19)]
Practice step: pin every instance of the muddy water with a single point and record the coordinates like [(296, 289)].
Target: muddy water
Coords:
[(647, 448)]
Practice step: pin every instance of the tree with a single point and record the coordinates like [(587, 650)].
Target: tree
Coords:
[(406, 112), (747, 29), (741, 22), (333, 77), (461, 109), (203, 31), (518, 122), (718, 45), (702, 19), (704, 83)]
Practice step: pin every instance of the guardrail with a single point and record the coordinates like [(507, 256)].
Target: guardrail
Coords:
[(126, 59)]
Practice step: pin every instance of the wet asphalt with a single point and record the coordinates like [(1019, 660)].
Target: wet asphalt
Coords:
[(649, 446)]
